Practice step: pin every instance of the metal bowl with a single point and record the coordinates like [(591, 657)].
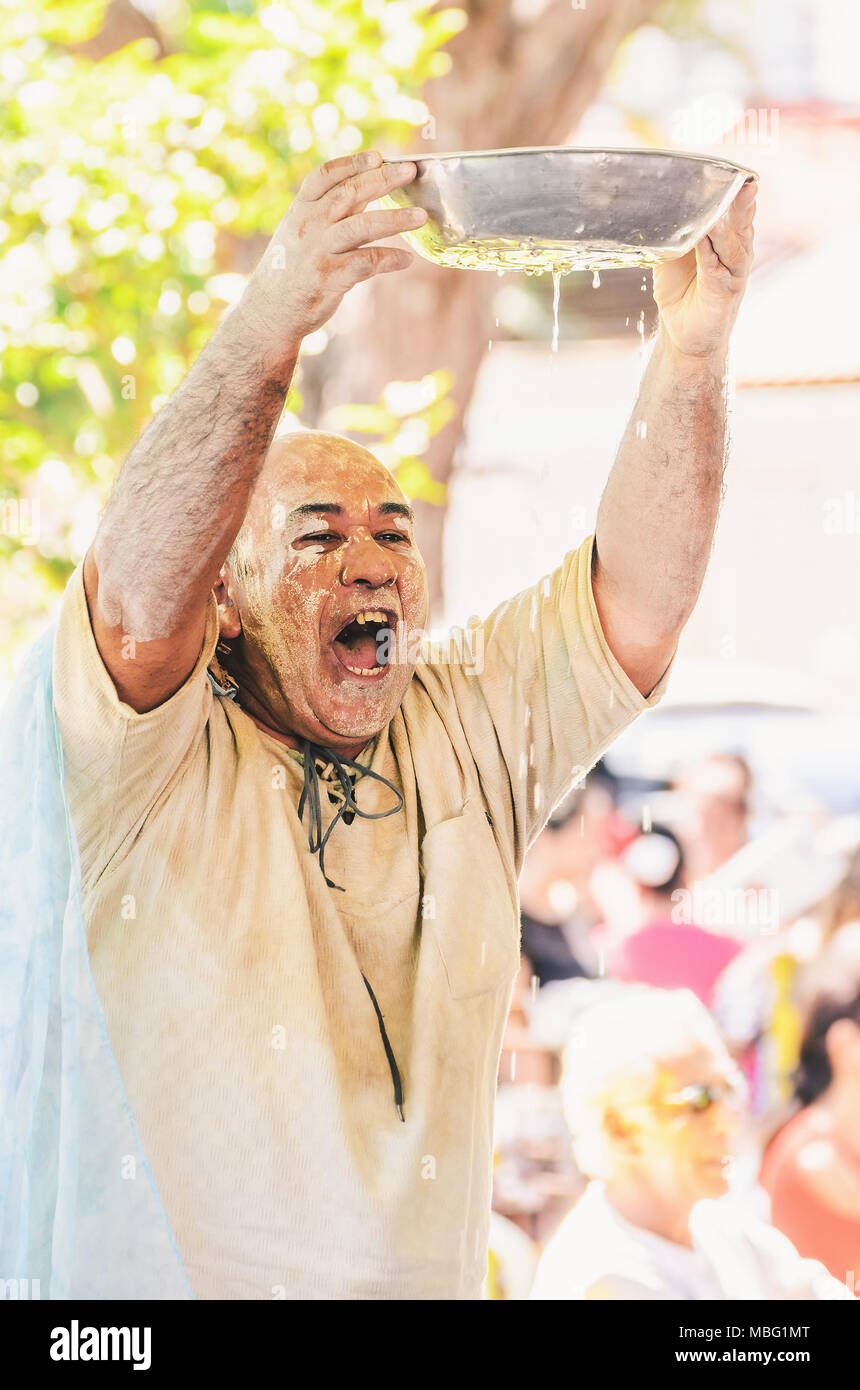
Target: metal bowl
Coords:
[(560, 208)]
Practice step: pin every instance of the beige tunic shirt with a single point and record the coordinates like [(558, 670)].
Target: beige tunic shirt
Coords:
[(231, 975)]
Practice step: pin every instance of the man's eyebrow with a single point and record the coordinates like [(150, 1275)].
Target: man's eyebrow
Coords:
[(317, 508), (396, 509)]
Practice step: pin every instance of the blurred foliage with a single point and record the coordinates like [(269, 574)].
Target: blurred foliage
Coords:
[(701, 19), (409, 413), (131, 186)]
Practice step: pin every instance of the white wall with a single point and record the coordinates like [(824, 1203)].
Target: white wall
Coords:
[(782, 588)]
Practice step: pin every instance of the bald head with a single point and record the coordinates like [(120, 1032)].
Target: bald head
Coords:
[(301, 469)]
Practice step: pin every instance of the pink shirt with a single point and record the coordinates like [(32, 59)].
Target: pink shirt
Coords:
[(669, 955)]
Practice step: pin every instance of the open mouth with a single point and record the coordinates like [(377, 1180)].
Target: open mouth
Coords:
[(363, 645)]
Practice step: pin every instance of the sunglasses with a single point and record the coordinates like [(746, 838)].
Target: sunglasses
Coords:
[(701, 1095)]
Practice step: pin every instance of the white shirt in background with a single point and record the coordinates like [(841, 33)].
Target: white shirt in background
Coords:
[(597, 1254)]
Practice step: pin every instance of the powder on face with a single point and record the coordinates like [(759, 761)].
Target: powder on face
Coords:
[(304, 575)]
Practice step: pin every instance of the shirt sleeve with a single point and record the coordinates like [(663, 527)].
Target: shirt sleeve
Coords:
[(540, 695), (117, 763)]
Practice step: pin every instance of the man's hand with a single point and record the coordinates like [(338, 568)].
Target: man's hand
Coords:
[(321, 248), (699, 295)]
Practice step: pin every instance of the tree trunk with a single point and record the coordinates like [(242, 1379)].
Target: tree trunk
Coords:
[(523, 72)]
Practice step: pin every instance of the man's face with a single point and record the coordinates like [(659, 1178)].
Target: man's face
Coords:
[(685, 1151), (717, 812), (331, 561)]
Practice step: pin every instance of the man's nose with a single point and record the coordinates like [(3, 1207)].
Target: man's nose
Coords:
[(366, 563)]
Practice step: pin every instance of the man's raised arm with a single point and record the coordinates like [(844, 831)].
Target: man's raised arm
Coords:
[(182, 493), (656, 520)]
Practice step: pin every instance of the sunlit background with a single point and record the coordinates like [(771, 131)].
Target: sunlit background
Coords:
[(148, 149)]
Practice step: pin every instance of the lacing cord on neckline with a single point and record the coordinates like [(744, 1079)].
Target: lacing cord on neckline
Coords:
[(317, 841)]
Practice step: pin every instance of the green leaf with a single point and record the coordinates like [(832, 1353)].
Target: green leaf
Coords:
[(418, 482), (363, 419)]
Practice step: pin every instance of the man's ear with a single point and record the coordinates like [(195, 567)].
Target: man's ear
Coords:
[(228, 612)]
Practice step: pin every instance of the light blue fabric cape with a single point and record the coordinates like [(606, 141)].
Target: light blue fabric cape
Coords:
[(79, 1209)]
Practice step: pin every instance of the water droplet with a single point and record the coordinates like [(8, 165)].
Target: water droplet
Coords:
[(595, 281)]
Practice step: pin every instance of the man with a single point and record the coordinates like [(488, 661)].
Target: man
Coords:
[(715, 795), (299, 877), (552, 887), (658, 944), (653, 1101)]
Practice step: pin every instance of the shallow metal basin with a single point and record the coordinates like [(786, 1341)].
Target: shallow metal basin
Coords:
[(563, 208)]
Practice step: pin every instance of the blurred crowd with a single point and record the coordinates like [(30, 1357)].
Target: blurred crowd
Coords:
[(679, 1093)]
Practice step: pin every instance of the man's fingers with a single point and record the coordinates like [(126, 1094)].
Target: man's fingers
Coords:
[(328, 176), (744, 204), (741, 215), (733, 249), (353, 194), (741, 222), (373, 260), (706, 257), (354, 231)]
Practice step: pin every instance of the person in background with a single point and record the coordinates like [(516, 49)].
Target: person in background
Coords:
[(715, 794), (555, 918), (841, 908), (765, 998), (664, 948), (653, 1101), (834, 966), (556, 907), (811, 1169)]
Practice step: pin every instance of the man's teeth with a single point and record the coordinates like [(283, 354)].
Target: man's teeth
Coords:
[(364, 670), (370, 615)]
